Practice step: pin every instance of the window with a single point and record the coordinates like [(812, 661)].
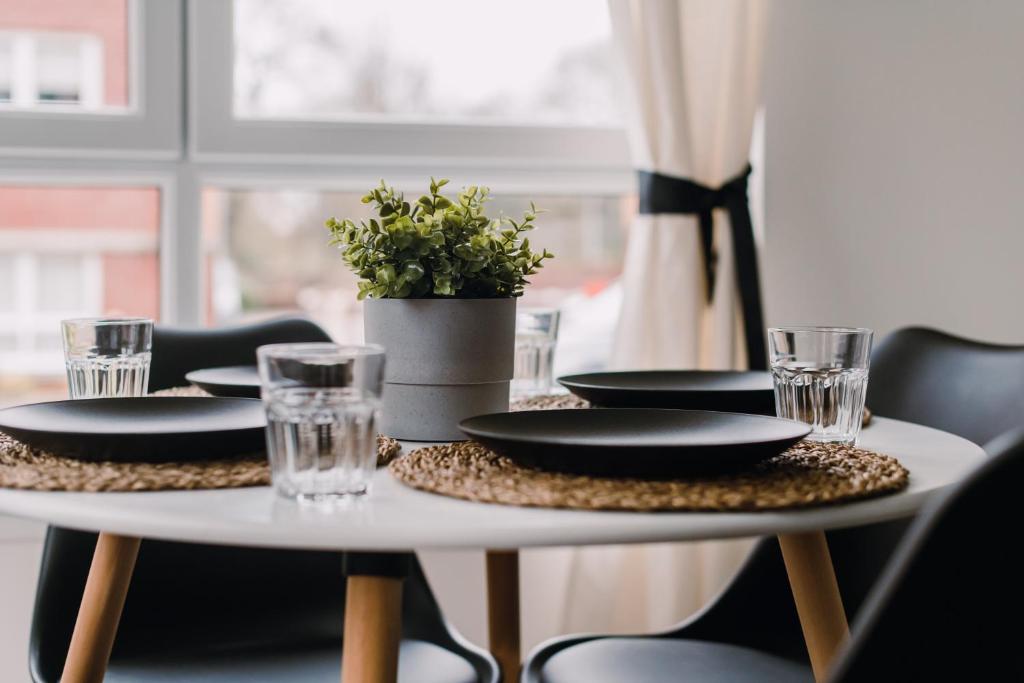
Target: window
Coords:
[(267, 253), (100, 78), (53, 68), (293, 110), (70, 252), (524, 85), (66, 55)]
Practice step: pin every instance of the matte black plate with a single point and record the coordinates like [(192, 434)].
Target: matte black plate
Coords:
[(634, 441), (738, 392), (152, 429), (235, 380)]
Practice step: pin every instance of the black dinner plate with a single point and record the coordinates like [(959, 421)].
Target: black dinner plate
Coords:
[(634, 441), (242, 381), (731, 391), (150, 429)]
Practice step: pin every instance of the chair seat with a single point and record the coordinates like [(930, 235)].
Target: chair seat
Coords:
[(418, 662), (667, 660)]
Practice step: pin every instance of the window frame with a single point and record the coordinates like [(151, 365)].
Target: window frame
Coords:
[(170, 142), (219, 136)]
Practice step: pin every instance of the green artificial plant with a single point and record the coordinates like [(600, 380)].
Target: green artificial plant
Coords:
[(437, 247)]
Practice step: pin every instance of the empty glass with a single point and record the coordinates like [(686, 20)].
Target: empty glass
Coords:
[(536, 336), (821, 377), (107, 357), (323, 404)]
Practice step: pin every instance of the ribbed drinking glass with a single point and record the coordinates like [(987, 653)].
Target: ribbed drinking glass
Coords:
[(323, 405), (536, 337), (821, 378), (107, 357)]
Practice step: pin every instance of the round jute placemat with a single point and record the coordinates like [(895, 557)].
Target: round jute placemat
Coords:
[(805, 475), (23, 467)]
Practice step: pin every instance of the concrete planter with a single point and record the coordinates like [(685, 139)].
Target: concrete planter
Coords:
[(447, 359)]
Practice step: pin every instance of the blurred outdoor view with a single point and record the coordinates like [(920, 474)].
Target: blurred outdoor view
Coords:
[(268, 254), (72, 251), (65, 56), (523, 62)]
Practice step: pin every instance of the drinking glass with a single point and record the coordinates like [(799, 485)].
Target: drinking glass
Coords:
[(536, 336), (821, 376), (107, 357), (323, 404)]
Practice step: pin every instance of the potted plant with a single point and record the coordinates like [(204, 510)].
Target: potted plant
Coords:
[(440, 281)]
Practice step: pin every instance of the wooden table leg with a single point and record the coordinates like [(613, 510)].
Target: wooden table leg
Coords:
[(102, 601), (816, 593), (503, 611), (373, 629)]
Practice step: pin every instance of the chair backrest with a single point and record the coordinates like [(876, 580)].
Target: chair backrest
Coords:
[(178, 351), (948, 605), (190, 598), (968, 388), (961, 386)]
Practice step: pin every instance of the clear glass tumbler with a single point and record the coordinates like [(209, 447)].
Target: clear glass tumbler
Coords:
[(821, 377), (536, 337), (323, 405), (107, 357)]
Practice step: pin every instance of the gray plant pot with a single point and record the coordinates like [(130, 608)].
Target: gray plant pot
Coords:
[(446, 360)]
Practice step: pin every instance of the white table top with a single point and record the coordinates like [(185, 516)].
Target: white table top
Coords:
[(395, 517)]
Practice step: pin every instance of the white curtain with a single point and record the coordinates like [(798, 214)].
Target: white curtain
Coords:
[(693, 68)]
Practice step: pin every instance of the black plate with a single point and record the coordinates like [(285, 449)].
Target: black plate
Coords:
[(634, 441), (235, 380), (152, 429), (737, 392)]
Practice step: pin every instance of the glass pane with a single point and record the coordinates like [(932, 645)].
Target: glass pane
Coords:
[(69, 252), (59, 282), (7, 265), (267, 253), (524, 62), (6, 68), (62, 56)]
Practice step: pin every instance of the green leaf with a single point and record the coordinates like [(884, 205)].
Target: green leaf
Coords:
[(435, 247)]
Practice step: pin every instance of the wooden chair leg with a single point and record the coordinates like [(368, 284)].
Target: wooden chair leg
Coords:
[(816, 593), (102, 602), (373, 629), (503, 611)]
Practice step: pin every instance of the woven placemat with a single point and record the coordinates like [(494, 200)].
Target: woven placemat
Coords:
[(23, 467), (807, 474)]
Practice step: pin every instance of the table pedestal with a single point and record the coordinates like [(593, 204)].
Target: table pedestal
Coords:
[(816, 593), (373, 629), (503, 611), (109, 575)]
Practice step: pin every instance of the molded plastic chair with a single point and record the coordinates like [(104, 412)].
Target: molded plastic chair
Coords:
[(946, 605), (920, 375), (223, 614)]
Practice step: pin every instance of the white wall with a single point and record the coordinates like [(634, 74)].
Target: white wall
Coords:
[(21, 545), (895, 165)]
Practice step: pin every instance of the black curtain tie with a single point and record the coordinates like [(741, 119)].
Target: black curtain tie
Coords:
[(661, 193)]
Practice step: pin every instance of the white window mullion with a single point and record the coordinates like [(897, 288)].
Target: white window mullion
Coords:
[(90, 73), (24, 71), (26, 272)]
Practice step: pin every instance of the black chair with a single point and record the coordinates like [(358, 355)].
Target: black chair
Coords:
[(947, 605), (969, 388), (958, 385), (222, 614)]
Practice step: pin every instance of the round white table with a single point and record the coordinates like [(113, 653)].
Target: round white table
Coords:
[(397, 518)]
